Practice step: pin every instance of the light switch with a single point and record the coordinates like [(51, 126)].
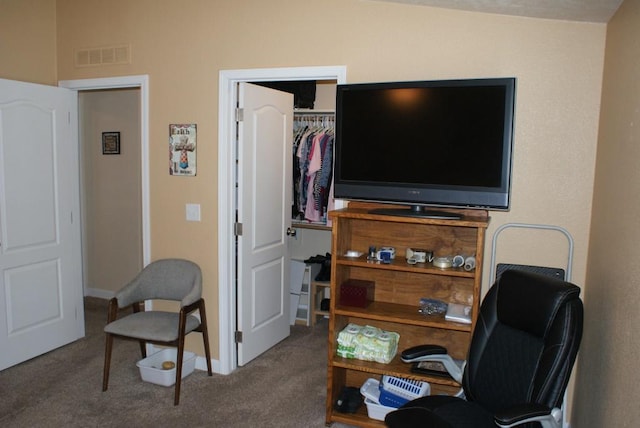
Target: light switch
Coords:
[(193, 212)]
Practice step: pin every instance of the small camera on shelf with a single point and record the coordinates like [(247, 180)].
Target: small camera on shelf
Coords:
[(386, 254)]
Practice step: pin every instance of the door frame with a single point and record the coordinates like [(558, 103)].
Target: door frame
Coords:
[(227, 96), (141, 82)]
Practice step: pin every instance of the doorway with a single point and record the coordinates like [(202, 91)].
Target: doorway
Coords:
[(141, 84), (228, 81), (109, 138)]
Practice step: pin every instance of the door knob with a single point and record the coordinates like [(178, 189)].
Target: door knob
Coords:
[(291, 231)]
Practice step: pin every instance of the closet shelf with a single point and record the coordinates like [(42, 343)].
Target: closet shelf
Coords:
[(302, 224)]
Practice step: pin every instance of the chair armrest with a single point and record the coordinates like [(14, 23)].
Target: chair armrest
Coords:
[(454, 367), (525, 413), (192, 307), (435, 353)]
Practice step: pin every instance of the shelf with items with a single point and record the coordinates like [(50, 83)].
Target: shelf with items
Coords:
[(398, 292), (366, 369), (399, 286), (401, 265), (361, 418), (405, 314), (456, 342)]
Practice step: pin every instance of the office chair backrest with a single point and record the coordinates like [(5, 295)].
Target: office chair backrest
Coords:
[(166, 279), (525, 342)]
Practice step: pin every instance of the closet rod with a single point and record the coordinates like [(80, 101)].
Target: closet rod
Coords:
[(312, 112)]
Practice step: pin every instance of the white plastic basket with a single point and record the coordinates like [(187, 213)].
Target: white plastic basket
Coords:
[(151, 367), (396, 391), (371, 391), (377, 411)]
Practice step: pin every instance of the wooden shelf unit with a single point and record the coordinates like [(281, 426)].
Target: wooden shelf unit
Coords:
[(398, 289)]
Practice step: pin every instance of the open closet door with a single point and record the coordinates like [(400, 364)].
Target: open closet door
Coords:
[(40, 265), (264, 211)]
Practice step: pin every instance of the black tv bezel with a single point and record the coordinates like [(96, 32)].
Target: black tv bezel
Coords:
[(419, 197)]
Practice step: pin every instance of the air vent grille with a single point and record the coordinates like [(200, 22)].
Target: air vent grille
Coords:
[(105, 55)]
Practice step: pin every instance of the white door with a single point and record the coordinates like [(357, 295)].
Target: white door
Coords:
[(264, 210), (41, 302)]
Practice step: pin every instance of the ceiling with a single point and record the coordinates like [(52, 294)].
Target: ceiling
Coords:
[(568, 10)]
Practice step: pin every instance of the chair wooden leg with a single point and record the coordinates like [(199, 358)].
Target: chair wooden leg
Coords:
[(205, 336), (107, 361), (182, 326), (143, 348), (176, 398)]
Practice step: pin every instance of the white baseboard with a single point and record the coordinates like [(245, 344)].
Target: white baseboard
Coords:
[(201, 364)]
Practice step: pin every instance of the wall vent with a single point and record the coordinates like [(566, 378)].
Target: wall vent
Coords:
[(105, 55)]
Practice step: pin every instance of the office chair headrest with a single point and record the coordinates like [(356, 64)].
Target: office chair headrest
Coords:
[(529, 301)]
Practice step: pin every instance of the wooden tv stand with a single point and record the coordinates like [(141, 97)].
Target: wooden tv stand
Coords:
[(398, 289)]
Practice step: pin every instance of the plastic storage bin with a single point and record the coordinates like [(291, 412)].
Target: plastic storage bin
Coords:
[(396, 391), (377, 411), (151, 367), (386, 396), (371, 391)]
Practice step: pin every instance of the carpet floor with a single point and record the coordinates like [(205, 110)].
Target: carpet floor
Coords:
[(284, 387)]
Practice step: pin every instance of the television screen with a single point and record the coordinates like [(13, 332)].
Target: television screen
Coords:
[(443, 143)]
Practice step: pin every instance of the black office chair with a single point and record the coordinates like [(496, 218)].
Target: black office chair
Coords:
[(522, 351)]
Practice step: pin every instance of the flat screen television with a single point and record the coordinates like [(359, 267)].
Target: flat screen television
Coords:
[(444, 143)]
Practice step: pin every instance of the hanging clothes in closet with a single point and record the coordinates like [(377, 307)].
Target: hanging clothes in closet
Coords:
[(313, 136)]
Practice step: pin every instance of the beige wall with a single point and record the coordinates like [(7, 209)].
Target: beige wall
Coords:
[(182, 45), (28, 40), (608, 363), (112, 209)]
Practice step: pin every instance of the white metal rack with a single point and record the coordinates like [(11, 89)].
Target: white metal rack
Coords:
[(567, 276)]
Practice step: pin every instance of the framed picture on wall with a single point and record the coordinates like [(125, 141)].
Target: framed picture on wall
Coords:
[(110, 143)]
